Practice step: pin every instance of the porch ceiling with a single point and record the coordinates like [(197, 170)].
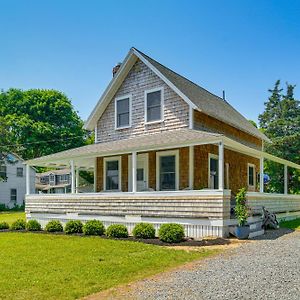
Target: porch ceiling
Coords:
[(84, 156)]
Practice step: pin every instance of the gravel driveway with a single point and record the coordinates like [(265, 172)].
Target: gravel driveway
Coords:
[(268, 268)]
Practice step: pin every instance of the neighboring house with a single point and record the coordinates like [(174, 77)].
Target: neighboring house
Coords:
[(166, 150), (13, 180), (54, 182)]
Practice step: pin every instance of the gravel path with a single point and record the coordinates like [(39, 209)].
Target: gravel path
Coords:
[(268, 268)]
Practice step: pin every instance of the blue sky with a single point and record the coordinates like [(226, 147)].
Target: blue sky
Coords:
[(239, 46)]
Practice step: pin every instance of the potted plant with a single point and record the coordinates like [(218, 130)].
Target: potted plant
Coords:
[(242, 230)]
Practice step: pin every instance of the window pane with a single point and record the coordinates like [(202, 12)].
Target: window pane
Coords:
[(167, 173), (112, 175), (140, 174), (251, 175), (20, 172), (123, 120), (154, 106), (214, 165), (13, 195)]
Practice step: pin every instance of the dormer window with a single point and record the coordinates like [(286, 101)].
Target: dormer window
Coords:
[(123, 112), (154, 105)]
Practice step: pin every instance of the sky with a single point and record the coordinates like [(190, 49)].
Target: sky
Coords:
[(241, 47)]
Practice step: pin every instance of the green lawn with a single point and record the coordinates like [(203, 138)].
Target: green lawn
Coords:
[(293, 224), (11, 217), (44, 266)]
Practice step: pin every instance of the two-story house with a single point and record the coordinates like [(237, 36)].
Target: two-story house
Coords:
[(166, 150), (13, 180), (54, 181)]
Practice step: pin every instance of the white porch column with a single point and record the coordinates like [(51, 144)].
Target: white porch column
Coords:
[(261, 176), (77, 181), (285, 179), (221, 166), (95, 175), (191, 167), (134, 166), (27, 179), (72, 176)]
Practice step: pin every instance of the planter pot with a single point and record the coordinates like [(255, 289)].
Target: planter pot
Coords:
[(242, 232)]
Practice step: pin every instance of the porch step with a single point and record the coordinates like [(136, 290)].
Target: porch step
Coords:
[(256, 229), (256, 233)]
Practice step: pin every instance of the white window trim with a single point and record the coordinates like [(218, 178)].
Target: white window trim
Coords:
[(162, 100), (167, 153), (215, 156), (105, 160), (129, 96), (254, 175)]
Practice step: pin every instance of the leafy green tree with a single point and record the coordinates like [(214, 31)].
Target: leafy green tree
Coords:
[(281, 123), (38, 122)]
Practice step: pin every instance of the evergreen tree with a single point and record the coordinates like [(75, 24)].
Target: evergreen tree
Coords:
[(281, 123)]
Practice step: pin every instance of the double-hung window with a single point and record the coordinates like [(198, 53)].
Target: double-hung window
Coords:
[(3, 170), (123, 112), (13, 195), (20, 172), (154, 105), (251, 175), (112, 174)]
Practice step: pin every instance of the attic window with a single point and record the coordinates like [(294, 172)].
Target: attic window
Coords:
[(154, 105), (123, 112)]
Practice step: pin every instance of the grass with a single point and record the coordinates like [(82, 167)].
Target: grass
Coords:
[(45, 266), (292, 224), (10, 217)]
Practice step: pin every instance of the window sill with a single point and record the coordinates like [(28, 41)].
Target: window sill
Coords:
[(154, 122), (123, 127)]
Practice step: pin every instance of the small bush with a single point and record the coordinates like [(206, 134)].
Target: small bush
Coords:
[(73, 226), (33, 225), (54, 226), (117, 231), (18, 225), (144, 231), (4, 225), (93, 227), (171, 233)]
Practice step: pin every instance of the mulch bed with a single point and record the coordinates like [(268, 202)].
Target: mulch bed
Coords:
[(156, 241)]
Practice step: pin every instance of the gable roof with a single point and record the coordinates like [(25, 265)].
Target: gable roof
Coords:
[(195, 96)]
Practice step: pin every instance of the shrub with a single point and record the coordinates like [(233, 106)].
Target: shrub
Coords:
[(18, 225), (54, 226), (241, 209), (171, 233), (144, 231), (93, 227), (4, 225), (73, 226), (33, 225), (117, 231)]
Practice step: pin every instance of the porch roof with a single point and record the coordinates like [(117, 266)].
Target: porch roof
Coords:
[(160, 140), (84, 157)]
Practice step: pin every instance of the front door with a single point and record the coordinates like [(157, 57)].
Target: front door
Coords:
[(213, 172), (141, 173)]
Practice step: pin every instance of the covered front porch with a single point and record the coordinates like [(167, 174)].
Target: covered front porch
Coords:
[(183, 176)]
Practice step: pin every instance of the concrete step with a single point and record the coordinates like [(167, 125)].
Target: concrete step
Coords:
[(256, 233)]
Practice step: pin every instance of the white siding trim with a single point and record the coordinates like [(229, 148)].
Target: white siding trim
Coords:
[(191, 117), (191, 167), (112, 158), (167, 153)]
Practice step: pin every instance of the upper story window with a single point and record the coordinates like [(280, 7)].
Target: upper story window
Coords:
[(123, 112), (3, 170), (20, 172), (154, 105)]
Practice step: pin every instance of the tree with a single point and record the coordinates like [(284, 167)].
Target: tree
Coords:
[(281, 123), (38, 122)]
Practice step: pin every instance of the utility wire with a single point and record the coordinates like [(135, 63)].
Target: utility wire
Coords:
[(45, 141)]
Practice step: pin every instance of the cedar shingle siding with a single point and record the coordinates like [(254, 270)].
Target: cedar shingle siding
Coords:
[(139, 79)]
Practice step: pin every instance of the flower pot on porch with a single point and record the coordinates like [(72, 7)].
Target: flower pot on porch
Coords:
[(242, 232)]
